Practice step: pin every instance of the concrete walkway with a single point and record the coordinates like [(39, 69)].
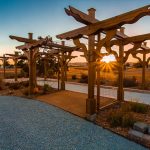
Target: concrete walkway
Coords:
[(27, 124), (106, 91), (141, 96)]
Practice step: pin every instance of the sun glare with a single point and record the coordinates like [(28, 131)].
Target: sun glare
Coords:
[(108, 59)]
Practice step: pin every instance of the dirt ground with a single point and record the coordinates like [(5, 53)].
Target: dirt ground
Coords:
[(72, 102)]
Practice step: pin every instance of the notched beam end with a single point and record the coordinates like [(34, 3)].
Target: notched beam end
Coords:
[(67, 11)]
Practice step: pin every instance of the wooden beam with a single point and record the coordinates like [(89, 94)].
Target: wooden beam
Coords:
[(31, 45), (108, 24), (134, 39), (138, 38), (141, 51), (62, 47), (80, 16), (17, 56), (117, 21), (21, 39)]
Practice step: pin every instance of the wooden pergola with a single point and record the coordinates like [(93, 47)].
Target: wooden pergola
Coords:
[(31, 51), (31, 54), (4, 58), (112, 29), (144, 61), (63, 54), (15, 58)]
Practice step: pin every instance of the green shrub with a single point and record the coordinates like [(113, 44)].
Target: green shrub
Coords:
[(22, 73), (126, 107), (7, 83), (25, 83), (115, 118), (74, 77), (102, 81), (9, 76), (46, 88), (14, 86), (2, 84), (84, 78), (120, 118), (128, 120), (130, 82), (139, 107), (26, 92)]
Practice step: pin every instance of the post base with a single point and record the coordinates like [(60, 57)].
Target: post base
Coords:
[(62, 86), (90, 106), (91, 118)]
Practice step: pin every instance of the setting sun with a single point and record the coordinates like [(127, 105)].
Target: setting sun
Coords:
[(108, 59)]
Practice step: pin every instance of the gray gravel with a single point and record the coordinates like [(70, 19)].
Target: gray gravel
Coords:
[(33, 125)]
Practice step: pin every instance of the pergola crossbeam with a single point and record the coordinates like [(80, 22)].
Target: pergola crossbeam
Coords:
[(108, 24)]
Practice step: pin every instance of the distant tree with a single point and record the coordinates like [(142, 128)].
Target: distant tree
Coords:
[(7, 64), (52, 66), (21, 63), (24, 66), (127, 64), (137, 65)]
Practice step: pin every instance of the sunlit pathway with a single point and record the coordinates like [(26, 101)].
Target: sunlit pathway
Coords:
[(33, 125)]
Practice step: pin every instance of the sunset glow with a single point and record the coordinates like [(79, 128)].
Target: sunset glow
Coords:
[(108, 59)]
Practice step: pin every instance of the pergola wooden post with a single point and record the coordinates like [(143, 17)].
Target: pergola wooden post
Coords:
[(98, 87), (91, 102), (143, 70), (15, 64), (58, 73), (4, 64), (45, 68), (62, 61), (98, 78), (31, 69), (120, 91)]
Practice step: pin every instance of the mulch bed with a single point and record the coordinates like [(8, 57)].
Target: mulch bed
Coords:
[(102, 121)]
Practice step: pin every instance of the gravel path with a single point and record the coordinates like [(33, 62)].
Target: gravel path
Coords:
[(33, 125)]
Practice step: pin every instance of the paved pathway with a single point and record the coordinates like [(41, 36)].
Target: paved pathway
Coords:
[(33, 125)]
